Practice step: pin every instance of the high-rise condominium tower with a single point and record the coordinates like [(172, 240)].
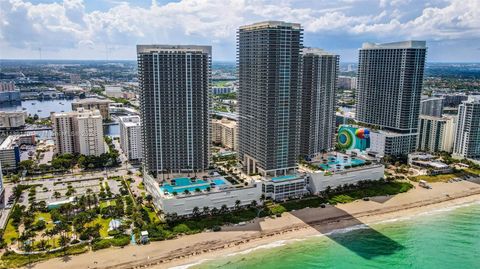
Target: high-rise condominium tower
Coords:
[(79, 131), (390, 78), (269, 67), (467, 139), (320, 73), (432, 107), (130, 137), (174, 106)]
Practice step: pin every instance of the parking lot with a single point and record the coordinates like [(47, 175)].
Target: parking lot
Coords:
[(46, 189)]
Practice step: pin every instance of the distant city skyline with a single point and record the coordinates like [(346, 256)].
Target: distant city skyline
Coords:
[(105, 29)]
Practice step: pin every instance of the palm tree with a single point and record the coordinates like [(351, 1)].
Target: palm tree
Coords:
[(224, 208), (149, 198), (195, 211), (206, 210), (262, 197), (253, 204), (42, 244), (186, 192), (63, 242), (214, 211), (237, 204)]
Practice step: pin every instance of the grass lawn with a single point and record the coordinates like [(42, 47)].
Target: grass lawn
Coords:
[(374, 189), (46, 217), (473, 171), (152, 215), (437, 178), (104, 204), (103, 222), (303, 203), (10, 232)]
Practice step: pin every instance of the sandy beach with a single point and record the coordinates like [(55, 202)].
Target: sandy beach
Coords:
[(293, 225)]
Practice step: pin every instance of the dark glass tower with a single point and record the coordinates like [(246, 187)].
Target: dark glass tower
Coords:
[(320, 74), (389, 86), (269, 66), (174, 105)]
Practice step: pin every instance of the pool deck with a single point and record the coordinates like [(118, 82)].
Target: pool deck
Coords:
[(184, 183)]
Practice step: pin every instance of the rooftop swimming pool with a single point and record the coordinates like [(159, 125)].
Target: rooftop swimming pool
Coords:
[(339, 163), (184, 183), (286, 177)]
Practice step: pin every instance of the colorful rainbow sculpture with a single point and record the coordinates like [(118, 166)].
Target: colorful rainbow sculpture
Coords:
[(362, 133), (351, 137), (345, 138)]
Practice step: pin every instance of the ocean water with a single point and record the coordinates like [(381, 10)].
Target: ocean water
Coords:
[(448, 238)]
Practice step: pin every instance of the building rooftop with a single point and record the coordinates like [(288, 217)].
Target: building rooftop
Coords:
[(12, 140), (473, 99), (226, 122), (173, 48), (270, 24), (411, 44), (317, 51), (228, 115), (130, 121), (92, 100)]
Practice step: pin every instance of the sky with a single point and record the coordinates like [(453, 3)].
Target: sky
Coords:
[(110, 29)]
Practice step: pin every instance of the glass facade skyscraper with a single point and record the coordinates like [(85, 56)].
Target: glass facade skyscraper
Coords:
[(269, 96), (174, 107), (389, 86), (320, 74)]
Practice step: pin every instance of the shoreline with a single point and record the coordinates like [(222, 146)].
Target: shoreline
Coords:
[(195, 249)]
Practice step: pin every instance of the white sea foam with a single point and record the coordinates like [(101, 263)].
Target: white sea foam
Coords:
[(281, 243), (430, 213), (185, 266)]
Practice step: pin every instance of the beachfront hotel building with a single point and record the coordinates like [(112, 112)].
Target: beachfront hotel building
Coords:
[(224, 132), (174, 85), (130, 137), (79, 131), (467, 138), (335, 169), (269, 96), (319, 84), (390, 78), (436, 133)]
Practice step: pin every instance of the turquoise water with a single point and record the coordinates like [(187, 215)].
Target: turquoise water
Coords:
[(439, 240), (340, 162), (286, 177), (184, 183)]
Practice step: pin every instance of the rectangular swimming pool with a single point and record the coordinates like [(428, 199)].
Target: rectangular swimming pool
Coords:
[(184, 183), (339, 163), (286, 177)]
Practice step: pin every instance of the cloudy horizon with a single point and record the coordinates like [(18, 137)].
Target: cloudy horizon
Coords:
[(110, 29)]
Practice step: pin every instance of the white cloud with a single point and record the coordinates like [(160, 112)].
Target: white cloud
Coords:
[(67, 24)]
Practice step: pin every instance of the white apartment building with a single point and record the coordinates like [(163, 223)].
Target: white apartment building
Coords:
[(130, 137), (224, 132), (79, 131), (467, 139), (449, 133), (89, 127), (12, 119)]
